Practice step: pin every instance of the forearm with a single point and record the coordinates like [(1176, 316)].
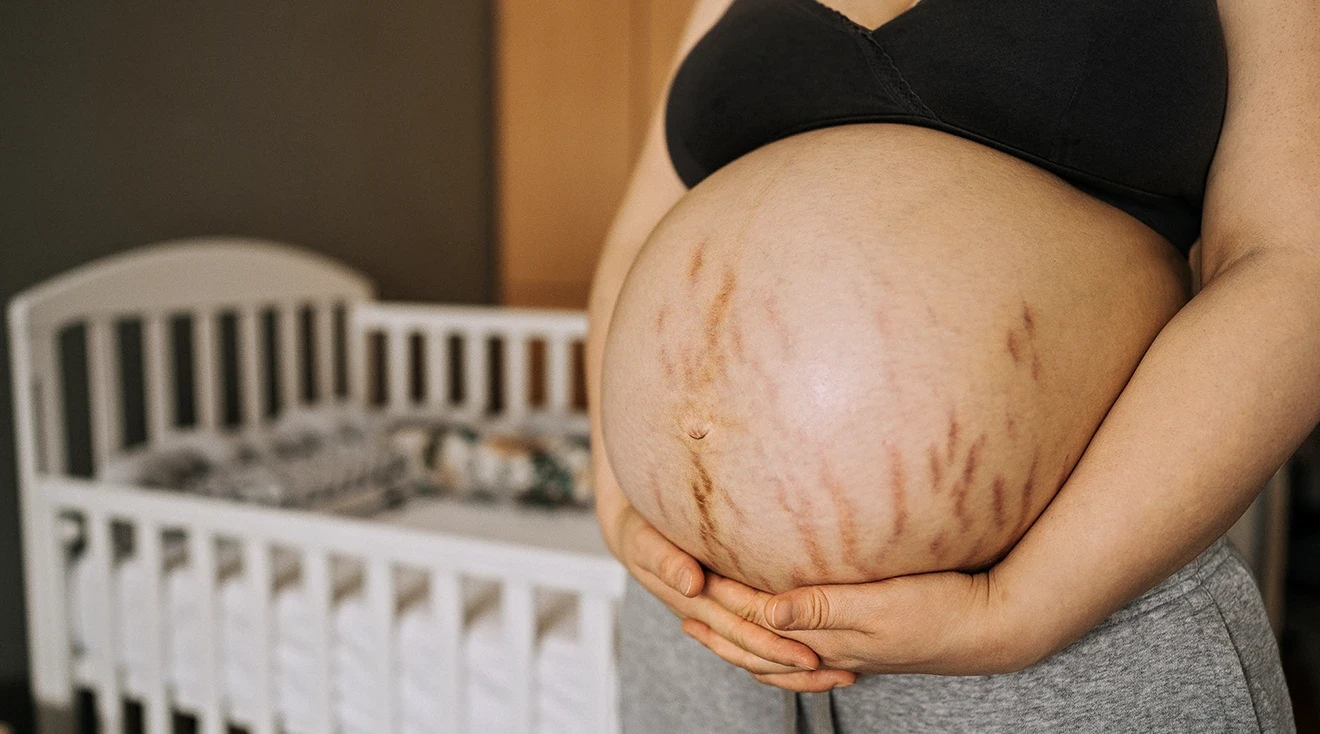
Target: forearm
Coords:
[(652, 191), (1222, 397), (609, 497), (650, 195)]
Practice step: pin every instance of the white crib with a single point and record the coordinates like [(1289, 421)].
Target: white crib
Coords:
[(275, 333)]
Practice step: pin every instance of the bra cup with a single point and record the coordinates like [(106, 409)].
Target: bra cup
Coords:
[(1159, 101), (1102, 94)]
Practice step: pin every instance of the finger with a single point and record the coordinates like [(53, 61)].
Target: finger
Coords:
[(747, 603), (839, 607), (814, 681), (654, 553), (731, 653), (738, 598), (753, 638), (680, 605), (758, 640)]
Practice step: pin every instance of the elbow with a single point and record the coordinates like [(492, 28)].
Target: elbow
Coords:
[(1221, 253)]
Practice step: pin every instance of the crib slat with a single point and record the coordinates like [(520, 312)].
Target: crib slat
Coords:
[(515, 374), (356, 343), (154, 362), (249, 359), (54, 538), (316, 576), (518, 606), (290, 352), (381, 605), (156, 704), (100, 556), (447, 606), (201, 556), (399, 366), (103, 386), (49, 375), (474, 373), (596, 633), (437, 368), (324, 320), (205, 362), (256, 567), (558, 369)]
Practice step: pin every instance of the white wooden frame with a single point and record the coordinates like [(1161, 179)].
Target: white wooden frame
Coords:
[(202, 279)]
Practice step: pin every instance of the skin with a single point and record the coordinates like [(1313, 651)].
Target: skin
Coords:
[(1220, 399), (838, 387)]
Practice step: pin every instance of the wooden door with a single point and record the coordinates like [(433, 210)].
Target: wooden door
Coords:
[(575, 83)]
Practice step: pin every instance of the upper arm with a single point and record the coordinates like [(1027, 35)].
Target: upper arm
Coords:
[(1264, 185), (652, 191), (654, 186)]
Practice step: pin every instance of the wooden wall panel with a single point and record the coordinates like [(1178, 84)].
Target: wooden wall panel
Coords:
[(657, 30), (563, 141), (664, 29), (575, 83)]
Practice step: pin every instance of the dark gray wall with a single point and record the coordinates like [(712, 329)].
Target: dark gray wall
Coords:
[(358, 129)]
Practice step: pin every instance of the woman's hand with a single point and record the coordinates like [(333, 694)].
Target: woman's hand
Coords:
[(945, 623), (679, 581)]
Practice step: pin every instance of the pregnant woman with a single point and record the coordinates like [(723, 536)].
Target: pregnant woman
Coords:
[(912, 402)]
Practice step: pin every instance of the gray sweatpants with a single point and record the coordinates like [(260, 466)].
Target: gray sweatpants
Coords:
[(1194, 654)]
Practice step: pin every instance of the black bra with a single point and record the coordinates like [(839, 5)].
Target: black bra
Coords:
[(1124, 99)]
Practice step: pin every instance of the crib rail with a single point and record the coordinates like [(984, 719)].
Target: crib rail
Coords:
[(432, 354), (197, 371), (221, 338), (195, 336), (596, 581), (68, 337), (241, 364)]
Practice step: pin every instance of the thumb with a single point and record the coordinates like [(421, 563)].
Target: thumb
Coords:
[(809, 608)]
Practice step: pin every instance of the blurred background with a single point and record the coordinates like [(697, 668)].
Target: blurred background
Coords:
[(453, 151)]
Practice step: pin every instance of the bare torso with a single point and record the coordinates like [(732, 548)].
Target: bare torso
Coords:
[(872, 350)]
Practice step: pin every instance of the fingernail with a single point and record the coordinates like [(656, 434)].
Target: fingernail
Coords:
[(841, 685), (781, 614), (807, 665), (685, 582)]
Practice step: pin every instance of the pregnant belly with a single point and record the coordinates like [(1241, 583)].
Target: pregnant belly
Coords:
[(872, 350)]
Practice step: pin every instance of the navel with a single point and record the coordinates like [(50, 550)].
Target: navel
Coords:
[(695, 426)]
